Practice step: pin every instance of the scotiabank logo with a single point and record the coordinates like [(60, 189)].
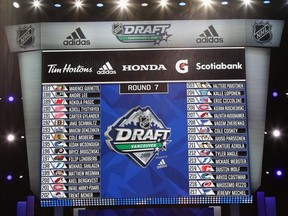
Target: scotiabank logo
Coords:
[(182, 66), (219, 66)]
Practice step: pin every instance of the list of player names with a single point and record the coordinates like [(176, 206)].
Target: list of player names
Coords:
[(70, 141), (217, 139)]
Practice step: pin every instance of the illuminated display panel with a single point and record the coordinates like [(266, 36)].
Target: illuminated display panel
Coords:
[(144, 127)]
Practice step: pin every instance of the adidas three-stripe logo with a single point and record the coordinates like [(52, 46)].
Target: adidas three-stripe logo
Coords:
[(161, 164), (78, 34), (106, 69), (77, 37), (210, 35), (210, 32)]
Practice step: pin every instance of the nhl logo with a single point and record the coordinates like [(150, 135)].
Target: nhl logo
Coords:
[(117, 28), (25, 36), (262, 32), (144, 122)]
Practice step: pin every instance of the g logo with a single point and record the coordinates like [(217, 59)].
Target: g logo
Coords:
[(182, 66)]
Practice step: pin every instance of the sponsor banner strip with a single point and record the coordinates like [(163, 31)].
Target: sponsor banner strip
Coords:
[(145, 34), (150, 65)]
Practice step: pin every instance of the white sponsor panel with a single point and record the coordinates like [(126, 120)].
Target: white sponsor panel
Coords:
[(264, 33), (25, 37), (144, 34)]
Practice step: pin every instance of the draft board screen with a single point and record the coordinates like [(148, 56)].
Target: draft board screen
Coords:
[(138, 127)]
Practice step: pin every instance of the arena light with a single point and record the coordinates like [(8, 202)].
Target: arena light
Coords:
[(279, 173), (123, 3), (10, 98), (266, 2), (224, 2), (57, 5), (9, 177), (78, 3), (276, 133), (163, 3), (182, 4), (207, 2), (16, 5), (10, 137), (36, 3), (99, 5), (144, 4), (275, 94), (247, 2)]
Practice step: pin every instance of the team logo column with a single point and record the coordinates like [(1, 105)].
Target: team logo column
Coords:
[(199, 139)]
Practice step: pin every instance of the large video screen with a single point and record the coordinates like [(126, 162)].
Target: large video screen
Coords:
[(136, 127)]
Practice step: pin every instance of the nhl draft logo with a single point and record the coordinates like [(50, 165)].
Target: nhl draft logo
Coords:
[(146, 33), (139, 134), (25, 36), (262, 32)]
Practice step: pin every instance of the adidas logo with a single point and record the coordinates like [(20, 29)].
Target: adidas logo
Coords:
[(106, 69), (161, 164), (209, 36), (76, 38)]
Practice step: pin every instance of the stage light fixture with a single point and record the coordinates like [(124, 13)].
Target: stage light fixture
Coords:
[(99, 5), (163, 3), (279, 173), (123, 3), (182, 4), (276, 133), (207, 2), (36, 3), (10, 137), (225, 2), (57, 5), (9, 177), (247, 2), (275, 94), (144, 4), (266, 2), (10, 98), (78, 3), (16, 4)]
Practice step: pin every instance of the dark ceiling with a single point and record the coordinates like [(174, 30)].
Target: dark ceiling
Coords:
[(194, 9)]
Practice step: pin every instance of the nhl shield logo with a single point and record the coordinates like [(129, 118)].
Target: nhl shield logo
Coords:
[(139, 134), (144, 122), (262, 32), (25, 36), (117, 28)]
